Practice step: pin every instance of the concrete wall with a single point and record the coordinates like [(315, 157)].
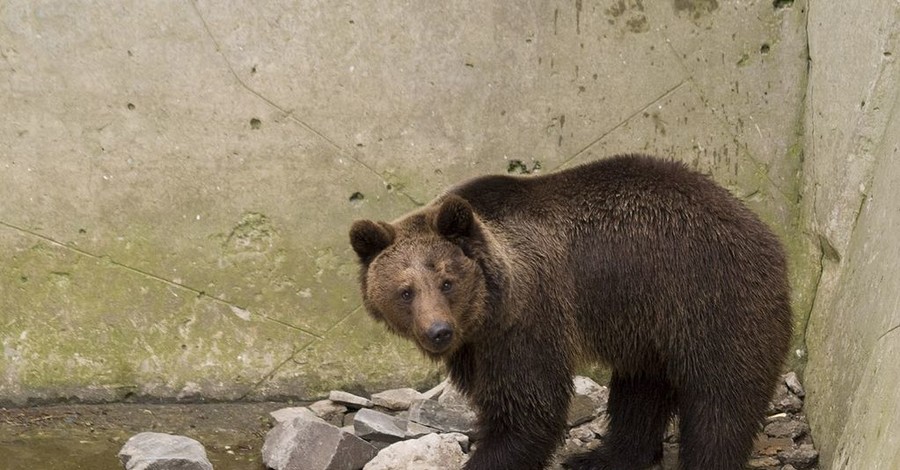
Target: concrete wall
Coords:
[(851, 180), (177, 177)]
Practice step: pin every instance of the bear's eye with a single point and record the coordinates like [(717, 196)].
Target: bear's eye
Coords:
[(406, 294), (446, 286)]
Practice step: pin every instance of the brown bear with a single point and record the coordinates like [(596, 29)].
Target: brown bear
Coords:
[(639, 263)]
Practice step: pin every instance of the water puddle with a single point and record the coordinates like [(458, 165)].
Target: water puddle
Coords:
[(72, 437)]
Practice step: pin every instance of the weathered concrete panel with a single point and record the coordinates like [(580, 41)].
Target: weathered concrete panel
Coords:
[(870, 437), (851, 178), (177, 178)]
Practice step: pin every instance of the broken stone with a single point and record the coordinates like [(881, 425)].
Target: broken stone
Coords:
[(793, 384), (598, 426), (287, 414), (153, 450), (770, 446), (803, 456), (671, 434), (586, 386), (596, 392), (574, 444), (453, 397), (301, 444), (348, 419), (570, 447), (436, 391), (331, 412), (582, 409), (375, 426), (443, 418), (785, 401), (788, 428), (349, 399), (763, 463), (397, 399), (583, 433), (416, 430), (430, 452)]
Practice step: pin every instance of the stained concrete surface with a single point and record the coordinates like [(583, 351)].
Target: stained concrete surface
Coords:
[(177, 178), (850, 198)]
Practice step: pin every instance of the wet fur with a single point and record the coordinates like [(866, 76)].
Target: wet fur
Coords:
[(639, 263)]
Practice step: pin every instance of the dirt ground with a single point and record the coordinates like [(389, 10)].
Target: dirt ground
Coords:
[(70, 437)]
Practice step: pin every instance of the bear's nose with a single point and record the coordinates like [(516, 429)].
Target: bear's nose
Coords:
[(440, 333)]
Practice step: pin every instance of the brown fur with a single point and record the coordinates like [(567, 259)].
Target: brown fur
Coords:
[(638, 263)]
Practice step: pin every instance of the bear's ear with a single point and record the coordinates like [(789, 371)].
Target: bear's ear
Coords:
[(370, 238), (454, 217)]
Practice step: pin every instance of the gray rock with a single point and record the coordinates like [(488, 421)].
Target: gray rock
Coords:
[(348, 419), (331, 412), (287, 414), (788, 467), (785, 401), (573, 445), (376, 426), (596, 393), (397, 399), (786, 428), (159, 451), (453, 397), (349, 399), (790, 404), (586, 386), (763, 463), (416, 430), (803, 456), (793, 384), (436, 391), (672, 431), (598, 426), (302, 444), (443, 418), (771, 446), (582, 409), (583, 433), (430, 452)]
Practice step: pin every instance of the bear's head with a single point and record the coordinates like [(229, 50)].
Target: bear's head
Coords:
[(420, 275)]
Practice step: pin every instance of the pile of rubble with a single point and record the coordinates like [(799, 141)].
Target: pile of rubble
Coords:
[(406, 429)]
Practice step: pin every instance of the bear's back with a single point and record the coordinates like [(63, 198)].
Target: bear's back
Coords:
[(627, 193), (637, 241)]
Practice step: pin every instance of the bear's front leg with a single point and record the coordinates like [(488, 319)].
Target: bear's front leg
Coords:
[(522, 398)]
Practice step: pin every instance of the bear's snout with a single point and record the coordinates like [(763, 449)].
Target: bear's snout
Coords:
[(439, 335)]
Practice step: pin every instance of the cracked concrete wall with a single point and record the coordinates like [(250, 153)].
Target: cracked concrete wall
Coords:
[(177, 177), (851, 177)]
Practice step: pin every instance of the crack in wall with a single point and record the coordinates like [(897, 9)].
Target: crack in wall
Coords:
[(352, 155), (292, 358), (620, 124), (268, 375), (812, 304), (199, 293), (889, 331)]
